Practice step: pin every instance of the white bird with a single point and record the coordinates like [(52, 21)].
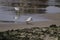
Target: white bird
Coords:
[(16, 8), (29, 20)]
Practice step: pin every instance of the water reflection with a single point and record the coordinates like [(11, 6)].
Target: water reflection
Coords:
[(22, 18), (53, 9), (6, 15), (35, 18)]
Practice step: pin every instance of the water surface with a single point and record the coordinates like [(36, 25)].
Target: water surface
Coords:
[(6, 15)]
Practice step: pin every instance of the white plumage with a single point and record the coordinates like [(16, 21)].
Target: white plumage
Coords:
[(16, 8), (29, 20)]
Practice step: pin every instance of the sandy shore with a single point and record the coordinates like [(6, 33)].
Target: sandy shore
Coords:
[(55, 19)]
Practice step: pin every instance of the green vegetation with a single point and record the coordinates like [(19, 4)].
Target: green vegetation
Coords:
[(34, 33)]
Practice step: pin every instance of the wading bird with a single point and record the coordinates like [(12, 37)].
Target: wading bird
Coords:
[(29, 20)]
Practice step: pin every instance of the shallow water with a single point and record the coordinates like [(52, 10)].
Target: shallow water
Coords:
[(34, 18), (8, 15), (53, 9), (22, 18)]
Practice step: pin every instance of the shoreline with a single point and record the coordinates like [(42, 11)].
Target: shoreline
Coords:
[(55, 19), (10, 26)]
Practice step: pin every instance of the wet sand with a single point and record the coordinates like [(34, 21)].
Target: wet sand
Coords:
[(53, 16), (55, 19)]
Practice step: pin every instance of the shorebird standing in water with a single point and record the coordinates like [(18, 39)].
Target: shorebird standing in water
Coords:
[(17, 14), (29, 20)]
